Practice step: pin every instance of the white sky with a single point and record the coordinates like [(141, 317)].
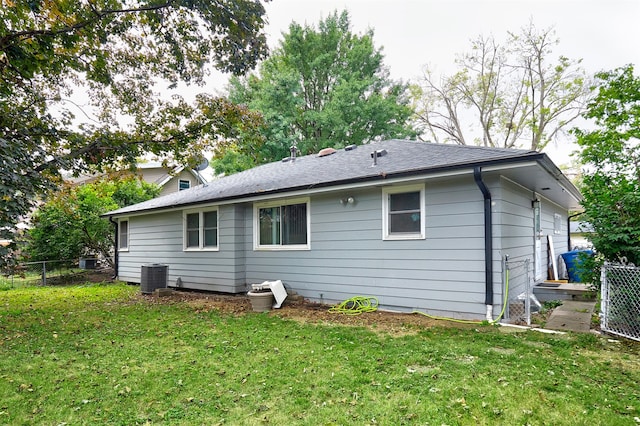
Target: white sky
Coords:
[(605, 34)]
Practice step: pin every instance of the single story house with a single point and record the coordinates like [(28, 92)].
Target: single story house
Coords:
[(420, 226)]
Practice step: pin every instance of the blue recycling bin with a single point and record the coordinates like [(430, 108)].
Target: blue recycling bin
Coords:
[(574, 265)]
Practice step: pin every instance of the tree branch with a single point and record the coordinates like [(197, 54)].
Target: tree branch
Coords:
[(6, 40)]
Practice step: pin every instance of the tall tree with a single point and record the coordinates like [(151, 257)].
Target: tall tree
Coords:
[(69, 225), (321, 87), (611, 158), (111, 52), (512, 95)]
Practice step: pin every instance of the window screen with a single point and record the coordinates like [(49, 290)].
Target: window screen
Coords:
[(404, 212), (123, 237), (210, 229), (193, 230)]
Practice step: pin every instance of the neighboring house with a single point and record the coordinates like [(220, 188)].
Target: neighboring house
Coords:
[(579, 232), (418, 225), (170, 180)]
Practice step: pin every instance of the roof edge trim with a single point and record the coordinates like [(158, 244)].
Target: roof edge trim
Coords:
[(434, 172)]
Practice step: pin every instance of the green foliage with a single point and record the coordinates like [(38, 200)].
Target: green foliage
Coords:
[(69, 224), (113, 53), (611, 157), (551, 304), (322, 87), (128, 191)]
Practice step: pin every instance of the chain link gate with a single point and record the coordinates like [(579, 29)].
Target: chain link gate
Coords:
[(620, 305), (517, 282)]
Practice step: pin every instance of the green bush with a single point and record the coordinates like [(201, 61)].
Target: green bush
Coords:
[(69, 225)]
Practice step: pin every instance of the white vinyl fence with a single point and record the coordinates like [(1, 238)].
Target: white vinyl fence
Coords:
[(620, 307)]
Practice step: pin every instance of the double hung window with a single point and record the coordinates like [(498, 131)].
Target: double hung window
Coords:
[(123, 235), (403, 211), (201, 230)]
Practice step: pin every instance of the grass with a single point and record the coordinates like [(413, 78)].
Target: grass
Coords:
[(98, 354)]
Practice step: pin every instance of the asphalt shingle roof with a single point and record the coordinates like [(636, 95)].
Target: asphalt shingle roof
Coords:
[(344, 166)]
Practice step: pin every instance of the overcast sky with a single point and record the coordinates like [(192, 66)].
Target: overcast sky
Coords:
[(605, 34)]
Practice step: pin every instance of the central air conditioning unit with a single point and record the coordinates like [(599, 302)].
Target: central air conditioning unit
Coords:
[(152, 277)]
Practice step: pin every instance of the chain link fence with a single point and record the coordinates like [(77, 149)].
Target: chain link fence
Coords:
[(51, 272), (517, 279), (620, 305)]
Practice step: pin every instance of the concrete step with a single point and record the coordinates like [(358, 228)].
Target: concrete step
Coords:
[(563, 291), (571, 316)]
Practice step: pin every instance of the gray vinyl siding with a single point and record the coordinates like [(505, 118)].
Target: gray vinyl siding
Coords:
[(549, 210), (158, 238), (443, 273), (516, 235), (516, 221), (560, 243), (517, 232)]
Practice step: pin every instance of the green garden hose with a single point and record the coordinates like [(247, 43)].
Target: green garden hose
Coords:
[(356, 305), (359, 304)]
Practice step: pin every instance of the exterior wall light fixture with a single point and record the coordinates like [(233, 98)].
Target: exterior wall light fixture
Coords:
[(348, 200)]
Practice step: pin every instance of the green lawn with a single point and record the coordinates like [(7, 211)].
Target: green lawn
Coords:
[(98, 354)]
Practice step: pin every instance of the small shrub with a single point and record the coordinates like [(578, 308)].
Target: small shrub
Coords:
[(550, 305)]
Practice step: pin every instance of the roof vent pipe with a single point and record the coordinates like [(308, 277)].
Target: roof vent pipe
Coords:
[(376, 154), (294, 150)]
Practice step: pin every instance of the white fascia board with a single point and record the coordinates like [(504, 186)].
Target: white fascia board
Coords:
[(501, 167)]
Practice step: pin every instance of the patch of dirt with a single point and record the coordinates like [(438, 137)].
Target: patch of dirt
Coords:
[(102, 275), (307, 312), (98, 275)]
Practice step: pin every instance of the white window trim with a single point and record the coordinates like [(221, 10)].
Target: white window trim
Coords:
[(280, 203), (201, 246), (120, 248), (386, 191)]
